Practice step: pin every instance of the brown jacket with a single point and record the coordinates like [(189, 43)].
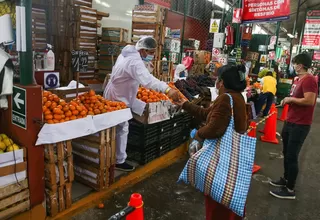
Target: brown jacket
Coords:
[(218, 115)]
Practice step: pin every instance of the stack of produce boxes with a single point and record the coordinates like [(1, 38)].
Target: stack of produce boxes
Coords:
[(58, 177)]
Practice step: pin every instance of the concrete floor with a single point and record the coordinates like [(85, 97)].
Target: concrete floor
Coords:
[(166, 200)]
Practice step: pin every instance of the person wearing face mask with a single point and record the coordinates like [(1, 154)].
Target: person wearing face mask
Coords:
[(232, 80), (127, 74), (302, 102)]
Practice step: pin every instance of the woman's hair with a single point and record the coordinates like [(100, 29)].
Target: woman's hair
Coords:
[(233, 77)]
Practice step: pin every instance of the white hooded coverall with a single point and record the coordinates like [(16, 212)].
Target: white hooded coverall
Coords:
[(127, 74)]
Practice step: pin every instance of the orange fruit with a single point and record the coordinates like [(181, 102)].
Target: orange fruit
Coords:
[(46, 93), (75, 112), (44, 99), (79, 116), (56, 121), (57, 111), (72, 108), (88, 101), (44, 108), (73, 103), (90, 113), (63, 116), (62, 120), (48, 117), (56, 116), (48, 104), (59, 106), (65, 108), (53, 105), (68, 113), (73, 117), (104, 110), (79, 108), (83, 113), (47, 112), (56, 98), (92, 93), (62, 102), (67, 119), (96, 111), (50, 97), (50, 121)]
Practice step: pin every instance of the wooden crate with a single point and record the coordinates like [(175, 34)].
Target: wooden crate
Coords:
[(14, 199), (58, 164), (94, 159), (144, 29), (118, 35), (148, 14), (68, 94), (59, 199)]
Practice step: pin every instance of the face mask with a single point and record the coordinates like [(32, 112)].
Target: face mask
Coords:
[(149, 58), (216, 86), (182, 74)]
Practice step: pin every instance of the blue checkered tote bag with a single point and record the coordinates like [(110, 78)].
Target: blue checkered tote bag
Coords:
[(222, 168)]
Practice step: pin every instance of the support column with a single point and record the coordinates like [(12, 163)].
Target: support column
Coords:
[(26, 61)]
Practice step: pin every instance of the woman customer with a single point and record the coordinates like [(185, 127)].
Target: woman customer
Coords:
[(231, 79)]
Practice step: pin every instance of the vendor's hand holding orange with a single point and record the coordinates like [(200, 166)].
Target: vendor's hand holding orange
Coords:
[(174, 95)]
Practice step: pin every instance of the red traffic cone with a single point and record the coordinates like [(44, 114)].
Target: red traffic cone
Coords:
[(136, 201), (253, 132), (270, 129), (284, 113), (255, 168), (272, 109)]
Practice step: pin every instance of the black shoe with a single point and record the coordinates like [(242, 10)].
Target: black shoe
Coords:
[(280, 183), (283, 193), (125, 167)]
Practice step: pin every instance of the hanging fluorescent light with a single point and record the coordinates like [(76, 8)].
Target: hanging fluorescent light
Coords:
[(105, 4), (220, 4), (290, 35)]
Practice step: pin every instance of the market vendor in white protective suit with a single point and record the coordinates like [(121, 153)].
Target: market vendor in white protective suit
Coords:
[(127, 74)]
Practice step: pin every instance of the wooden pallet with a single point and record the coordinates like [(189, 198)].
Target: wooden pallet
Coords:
[(94, 158), (58, 164), (14, 199), (59, 199)]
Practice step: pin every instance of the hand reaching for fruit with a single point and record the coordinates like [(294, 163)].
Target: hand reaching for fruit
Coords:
[(174, 95)]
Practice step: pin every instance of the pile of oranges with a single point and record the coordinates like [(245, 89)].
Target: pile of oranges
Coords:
[(149, 96), (56, 110)]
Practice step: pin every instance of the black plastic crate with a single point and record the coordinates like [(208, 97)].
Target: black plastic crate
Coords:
[(165, 129), (165, 146), (180, 138), (143, 156), (141, 134)]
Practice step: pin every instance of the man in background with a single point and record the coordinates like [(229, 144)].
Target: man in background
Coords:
[(302, 102), (269, 89)]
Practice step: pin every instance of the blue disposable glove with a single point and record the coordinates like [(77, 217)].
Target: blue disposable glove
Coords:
[(194, 147), (193, 133)]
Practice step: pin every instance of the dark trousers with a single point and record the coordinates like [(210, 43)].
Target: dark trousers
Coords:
[(293, 136), (263, 98)]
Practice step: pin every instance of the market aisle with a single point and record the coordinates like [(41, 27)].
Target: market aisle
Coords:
[(166, 200)]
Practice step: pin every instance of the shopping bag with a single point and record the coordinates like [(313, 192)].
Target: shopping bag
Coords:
[(222, 168)]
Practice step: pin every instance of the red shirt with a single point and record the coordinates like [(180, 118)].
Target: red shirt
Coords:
[(300, 114)]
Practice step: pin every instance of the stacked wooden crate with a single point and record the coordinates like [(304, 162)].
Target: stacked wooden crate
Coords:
[(110, 45), (95, 158), (39, 29), (148, 20), (14, 188), (59, 175)]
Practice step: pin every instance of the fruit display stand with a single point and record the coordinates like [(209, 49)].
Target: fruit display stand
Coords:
[(95, 155)]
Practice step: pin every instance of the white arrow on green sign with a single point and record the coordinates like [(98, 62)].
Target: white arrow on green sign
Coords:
[(19, 107)]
